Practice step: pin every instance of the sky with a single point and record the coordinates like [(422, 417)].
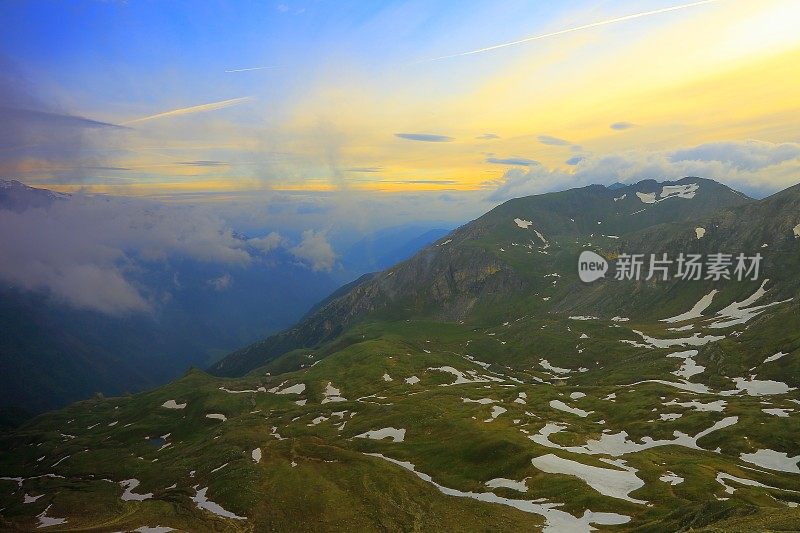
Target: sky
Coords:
[(446, 99), (303, 126)]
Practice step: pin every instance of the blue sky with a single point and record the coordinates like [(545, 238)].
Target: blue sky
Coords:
[(354, 94)]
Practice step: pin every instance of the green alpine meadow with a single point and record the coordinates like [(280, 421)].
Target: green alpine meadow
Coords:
[(478, 386), (400, 266)]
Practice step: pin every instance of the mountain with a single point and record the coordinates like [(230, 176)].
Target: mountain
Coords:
[(485, 267), (17, 196), (53, 353), (384, 248), (477, 386)]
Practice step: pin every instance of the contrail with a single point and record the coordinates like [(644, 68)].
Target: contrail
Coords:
[(193, 109), (570, 30), (249, 69)]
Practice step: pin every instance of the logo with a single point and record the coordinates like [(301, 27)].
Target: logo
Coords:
[(591, 266), (687, 267)]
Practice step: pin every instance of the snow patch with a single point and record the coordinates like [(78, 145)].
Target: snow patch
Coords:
[(469, 376), (716, 406), (397, 435), (696, 311), (496, 411), (608, 482), (204, 503), (775, 411), (482, 401), (47, 521), (773, 460), (561, 406), (332, 394), (671, 478), (741, 312), (679, 191), (297, 388), (501, 482), (130, 485), (524, 224), (695, 340), (758, 387), (556, 521), (647, 197), (616, 444), (774, 357)]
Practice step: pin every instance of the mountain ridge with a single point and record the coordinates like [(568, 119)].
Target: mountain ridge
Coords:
[(674, 407), (453, 282)]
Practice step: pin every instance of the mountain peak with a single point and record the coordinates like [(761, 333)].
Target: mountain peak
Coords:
[(499, 258), (17, 196)]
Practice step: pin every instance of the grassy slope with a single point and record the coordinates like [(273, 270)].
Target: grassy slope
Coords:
[(335, 487)]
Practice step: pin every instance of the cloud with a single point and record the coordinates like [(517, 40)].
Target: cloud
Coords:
[(364, 169), (221, 283), (488, 136), (520, 161), (575, 160), (571, 30), (92, 252), (424, 137), (553, 141), (315, 251), (622, 125), (37, 133), (751, 155), (755, 167), (202, 108), (424, 182), (249, 69), (267, 243), (50, 119), (202, 163)]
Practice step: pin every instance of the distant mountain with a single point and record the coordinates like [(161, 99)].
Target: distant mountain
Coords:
[(19, 197), (384, 248), (500, 259), (52, 354)]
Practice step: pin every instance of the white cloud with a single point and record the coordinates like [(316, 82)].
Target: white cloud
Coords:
[(267, 243), (754, 167), (87, 250), (315, 251), (221, 283)]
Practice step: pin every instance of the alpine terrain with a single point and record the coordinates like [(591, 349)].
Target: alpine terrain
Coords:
[(478, 386)]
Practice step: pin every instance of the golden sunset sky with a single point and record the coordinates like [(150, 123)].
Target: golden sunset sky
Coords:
[(400, 96)]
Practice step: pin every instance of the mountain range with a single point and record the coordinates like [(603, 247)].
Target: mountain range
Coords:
[(479, 385), (53, 353)]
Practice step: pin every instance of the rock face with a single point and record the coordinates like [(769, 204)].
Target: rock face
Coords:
[(493, 260)]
